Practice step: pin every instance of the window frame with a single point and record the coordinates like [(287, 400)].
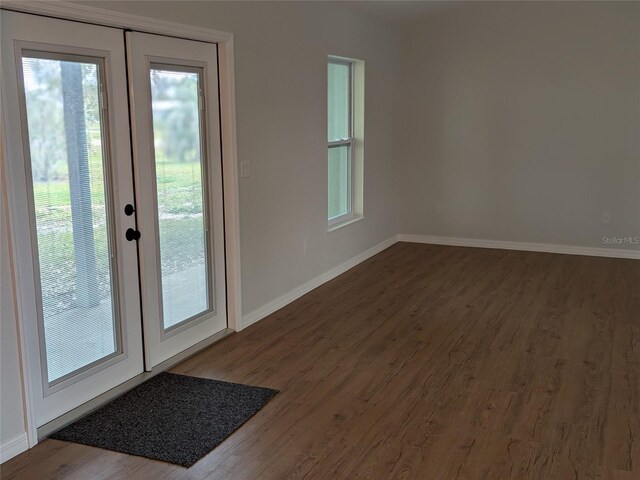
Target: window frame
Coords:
[(344, 142)]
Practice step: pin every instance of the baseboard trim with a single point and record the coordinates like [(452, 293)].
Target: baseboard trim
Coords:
[(524, 246), (14, 446), (287, 298)]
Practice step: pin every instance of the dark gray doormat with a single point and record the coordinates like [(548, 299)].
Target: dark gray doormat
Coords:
[(173, 418)]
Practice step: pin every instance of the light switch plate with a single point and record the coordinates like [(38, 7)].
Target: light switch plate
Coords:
[(245, 171)]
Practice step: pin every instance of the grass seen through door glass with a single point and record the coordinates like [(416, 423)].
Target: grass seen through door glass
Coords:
[(57, 240)]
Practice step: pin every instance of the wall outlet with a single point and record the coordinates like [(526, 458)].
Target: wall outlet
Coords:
[(305, 245), (245, 170), (606, 216)]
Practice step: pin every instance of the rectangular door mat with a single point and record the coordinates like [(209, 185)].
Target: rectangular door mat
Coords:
[(173, 418)]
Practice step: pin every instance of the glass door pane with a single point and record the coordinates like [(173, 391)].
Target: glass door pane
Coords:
[(179, 168), (70, 198)]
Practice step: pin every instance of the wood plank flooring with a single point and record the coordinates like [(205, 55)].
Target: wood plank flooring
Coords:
[(424, 362)]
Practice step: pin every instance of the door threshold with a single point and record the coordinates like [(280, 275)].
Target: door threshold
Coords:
[(54, 425)]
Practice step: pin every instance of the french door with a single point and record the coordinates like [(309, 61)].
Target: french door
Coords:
[(99, 236), (174, 85)]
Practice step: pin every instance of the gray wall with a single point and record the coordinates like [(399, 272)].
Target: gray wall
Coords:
[(522, 123), (280, 57)]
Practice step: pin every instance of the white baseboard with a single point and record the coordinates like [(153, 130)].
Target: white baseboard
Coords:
[(524, 246), (13, 446), (305, 288), (297, 292)]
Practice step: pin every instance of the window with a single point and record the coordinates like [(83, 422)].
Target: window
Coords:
[(344, 141)]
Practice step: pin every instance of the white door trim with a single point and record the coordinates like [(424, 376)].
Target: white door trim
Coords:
[(25, 362), (98, 16)]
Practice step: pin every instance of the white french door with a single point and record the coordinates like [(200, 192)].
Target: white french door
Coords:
[(69, 171), (174, 85), (85, 248)]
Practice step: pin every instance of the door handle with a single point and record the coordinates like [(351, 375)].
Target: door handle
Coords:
[(128, 209), (132, 234)]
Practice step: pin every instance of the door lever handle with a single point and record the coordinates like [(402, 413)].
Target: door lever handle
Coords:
[(132, 234)]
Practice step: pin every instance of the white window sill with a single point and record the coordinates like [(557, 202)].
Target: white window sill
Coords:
[(349, 221)]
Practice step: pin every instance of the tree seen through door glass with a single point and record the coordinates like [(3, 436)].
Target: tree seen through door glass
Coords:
[(69, 195), (179, 183)]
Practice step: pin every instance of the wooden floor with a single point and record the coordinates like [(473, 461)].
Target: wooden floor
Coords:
[(424, 362)]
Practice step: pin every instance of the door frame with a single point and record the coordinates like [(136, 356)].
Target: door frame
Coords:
[(224, 40)]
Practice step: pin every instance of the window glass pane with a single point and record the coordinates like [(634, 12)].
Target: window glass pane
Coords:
[(339, 181), (65, 143), (338, 101), (179, 182)]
